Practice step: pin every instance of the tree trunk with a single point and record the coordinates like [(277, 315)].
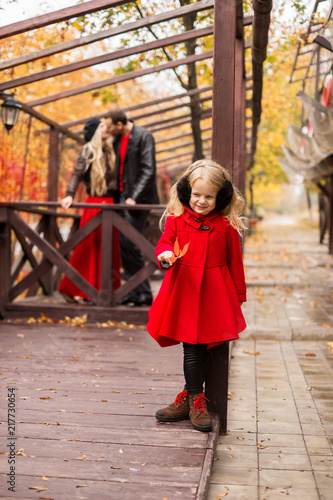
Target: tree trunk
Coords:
[(196, 110)]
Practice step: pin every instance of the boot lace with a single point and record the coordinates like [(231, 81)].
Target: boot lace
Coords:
[(200, 403), (180, 398)]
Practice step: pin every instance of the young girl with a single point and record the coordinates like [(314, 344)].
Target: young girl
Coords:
[(201, 294)]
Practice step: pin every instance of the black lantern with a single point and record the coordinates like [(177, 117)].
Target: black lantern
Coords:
[(10, 110)]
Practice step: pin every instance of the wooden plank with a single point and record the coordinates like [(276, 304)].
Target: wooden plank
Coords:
[(110, 56), (58, 16), (120, 78), (69, 489), (121, 29), (93, 443)]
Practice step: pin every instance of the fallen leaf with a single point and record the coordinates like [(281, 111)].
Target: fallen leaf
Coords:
[(330, 345), (81, 486), (325, 325), (310, 354), (37, 488), (45, 478), (142, 465), (114, 467), (46, 397), (121, 450), (82, 458), (245, 351)]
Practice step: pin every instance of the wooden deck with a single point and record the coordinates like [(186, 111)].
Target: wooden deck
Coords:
[(85, 427)]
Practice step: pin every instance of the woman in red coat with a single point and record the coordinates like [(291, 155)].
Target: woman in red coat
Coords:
[(201, 294), (96, 168)]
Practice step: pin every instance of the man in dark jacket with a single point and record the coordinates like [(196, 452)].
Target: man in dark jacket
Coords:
[(136, 174)]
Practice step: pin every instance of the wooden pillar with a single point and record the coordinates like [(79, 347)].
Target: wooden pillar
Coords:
[(52, 178), (52, 195), (223, 153), (5, 259), (105, 294), (330, 221), (239, 106), (224, 83)]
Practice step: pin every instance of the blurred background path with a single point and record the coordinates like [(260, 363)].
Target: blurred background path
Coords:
[(280, 423)]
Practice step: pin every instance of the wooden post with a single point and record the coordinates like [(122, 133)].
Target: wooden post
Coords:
[(52, 178), (105, 294), (223, 153), (52, 195), (5, 259), (330, 222), (238, 122)]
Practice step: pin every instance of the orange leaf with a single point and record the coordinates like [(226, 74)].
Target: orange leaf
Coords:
[(176, 248), (183, 252), (172, 259)]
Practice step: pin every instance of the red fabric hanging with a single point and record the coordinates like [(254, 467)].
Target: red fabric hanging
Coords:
[(86, 258)]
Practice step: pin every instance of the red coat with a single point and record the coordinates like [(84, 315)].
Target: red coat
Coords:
[(199, 298)]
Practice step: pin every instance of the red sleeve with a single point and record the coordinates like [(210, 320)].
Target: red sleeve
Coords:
[(168, 238), (235, 263)]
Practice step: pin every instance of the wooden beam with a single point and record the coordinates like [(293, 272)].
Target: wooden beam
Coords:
[(120, 78), (205, 114), (181, 145), (121, 29), (58, 16), (175, 137), (25, 107), (143, 105), (182, 122), (117, 54), (170, 108)]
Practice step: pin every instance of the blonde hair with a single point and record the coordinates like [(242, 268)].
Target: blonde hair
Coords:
[(216, 177), (93, 152)]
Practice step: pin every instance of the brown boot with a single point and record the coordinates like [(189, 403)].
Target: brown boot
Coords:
[(178, 410), (199, 415)]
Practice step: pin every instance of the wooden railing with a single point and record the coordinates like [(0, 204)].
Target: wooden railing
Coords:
[(55, 251)]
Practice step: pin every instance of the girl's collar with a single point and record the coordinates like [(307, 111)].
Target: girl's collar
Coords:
[(191, 215)]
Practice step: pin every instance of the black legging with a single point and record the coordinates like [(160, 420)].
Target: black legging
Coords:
[(196, 363)]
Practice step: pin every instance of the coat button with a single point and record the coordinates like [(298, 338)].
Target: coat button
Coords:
[(205, 228), (196, 219)]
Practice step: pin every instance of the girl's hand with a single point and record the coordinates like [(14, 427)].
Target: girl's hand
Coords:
[(165, 257), (66, 202)]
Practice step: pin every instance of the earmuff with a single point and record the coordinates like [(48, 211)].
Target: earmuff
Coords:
[(223, 198)]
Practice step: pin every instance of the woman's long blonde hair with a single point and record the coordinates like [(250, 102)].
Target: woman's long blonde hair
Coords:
[(93, 152), (216, 177)]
